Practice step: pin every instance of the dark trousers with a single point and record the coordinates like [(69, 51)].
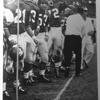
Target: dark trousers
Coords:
[(72, 43)]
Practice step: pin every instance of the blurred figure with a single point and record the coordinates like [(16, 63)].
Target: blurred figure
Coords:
[(87, 43)]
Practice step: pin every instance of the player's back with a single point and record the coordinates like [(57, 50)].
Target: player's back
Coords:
[(31, 15), (55, 17), (43, 20)]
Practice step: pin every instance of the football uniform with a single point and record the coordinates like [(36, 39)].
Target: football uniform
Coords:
[(56, 31), (8, 18), (24, 38), (27, 18), (31, 16), (8, 59), (42, 48)]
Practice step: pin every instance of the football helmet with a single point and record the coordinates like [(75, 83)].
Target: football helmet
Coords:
[(13, 53), (67, 11)]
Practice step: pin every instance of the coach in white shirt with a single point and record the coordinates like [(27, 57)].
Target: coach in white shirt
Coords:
[(73, 40)]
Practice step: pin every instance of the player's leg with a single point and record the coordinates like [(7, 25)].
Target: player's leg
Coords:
[(43, 52), (58, 47), (29, 47), (5, 91)]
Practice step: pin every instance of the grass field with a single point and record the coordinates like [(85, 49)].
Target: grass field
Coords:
[(81, 88)]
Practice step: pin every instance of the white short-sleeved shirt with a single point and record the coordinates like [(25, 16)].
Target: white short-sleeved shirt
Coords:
[(75, 25), (88, 26)]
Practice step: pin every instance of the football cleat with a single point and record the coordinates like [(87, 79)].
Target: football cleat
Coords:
[(28, 82), (20, 90), (44, 79), (6, 95), (66, 74)]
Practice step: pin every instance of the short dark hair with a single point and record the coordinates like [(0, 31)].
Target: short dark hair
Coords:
[(80, 10)]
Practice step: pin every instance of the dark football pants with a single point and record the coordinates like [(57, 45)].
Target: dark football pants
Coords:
[(72, 43)]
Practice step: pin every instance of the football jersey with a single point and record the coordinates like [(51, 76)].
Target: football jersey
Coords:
[(55, 17), (25, 7), (31, 16), (13, 29), (43, 21)]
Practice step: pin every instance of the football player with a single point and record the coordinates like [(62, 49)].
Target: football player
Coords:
[(8, 60), (42, 37), (5, 49), (31, 15), (39, 36), (24, 39), (39, 20), (55, 34)]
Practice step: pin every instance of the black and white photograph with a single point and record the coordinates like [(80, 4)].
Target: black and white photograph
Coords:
[(50, 50)]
